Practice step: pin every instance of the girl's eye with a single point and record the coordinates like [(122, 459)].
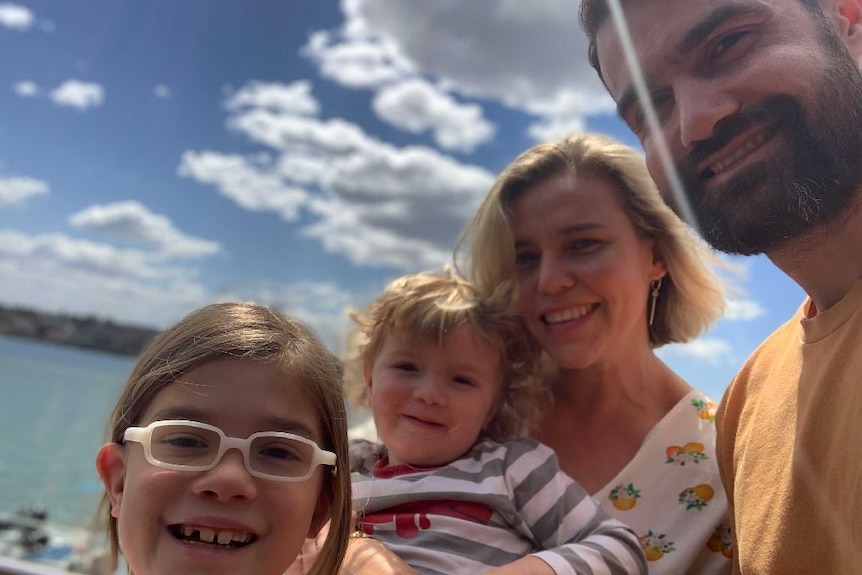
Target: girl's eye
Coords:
[(405, 366), (180, 441), (281, 452), (583, 245), (463, 381)]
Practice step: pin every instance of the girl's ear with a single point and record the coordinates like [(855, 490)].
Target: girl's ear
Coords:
[(323, 511), (111, 465), (366, 372)]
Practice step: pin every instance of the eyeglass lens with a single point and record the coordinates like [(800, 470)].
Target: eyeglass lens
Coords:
[(195, 447)]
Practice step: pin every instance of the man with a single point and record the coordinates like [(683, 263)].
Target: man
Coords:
[(759, 104)]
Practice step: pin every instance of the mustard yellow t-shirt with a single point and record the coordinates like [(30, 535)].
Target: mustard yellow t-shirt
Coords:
[(790, 446)]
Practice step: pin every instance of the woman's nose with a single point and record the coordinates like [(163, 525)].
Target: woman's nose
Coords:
[(554, 276)]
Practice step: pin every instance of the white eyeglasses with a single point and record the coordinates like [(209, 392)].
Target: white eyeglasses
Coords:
[(182, 445)]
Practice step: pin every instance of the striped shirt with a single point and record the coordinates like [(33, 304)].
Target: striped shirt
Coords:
[(496, 504)]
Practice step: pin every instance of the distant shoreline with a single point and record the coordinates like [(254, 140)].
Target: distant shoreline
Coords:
[(86, 332)]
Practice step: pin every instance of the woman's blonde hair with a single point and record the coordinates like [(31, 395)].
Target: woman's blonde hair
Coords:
[(691, 296), (248, 331), (427, 306)]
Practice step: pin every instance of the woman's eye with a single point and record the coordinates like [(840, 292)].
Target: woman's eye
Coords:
[(524, 259)]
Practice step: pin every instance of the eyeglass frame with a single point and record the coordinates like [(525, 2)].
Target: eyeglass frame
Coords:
[(144, 436)]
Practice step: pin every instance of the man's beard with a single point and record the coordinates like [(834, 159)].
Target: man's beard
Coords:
[(810, 181)]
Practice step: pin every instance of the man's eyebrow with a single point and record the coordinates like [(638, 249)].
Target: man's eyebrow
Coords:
[(701, 31)]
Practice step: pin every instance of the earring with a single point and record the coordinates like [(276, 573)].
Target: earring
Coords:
[(655, 286)]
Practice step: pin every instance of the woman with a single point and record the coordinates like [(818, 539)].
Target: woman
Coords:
[(606, 273)]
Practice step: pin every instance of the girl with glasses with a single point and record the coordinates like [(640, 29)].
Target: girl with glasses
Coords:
[(226, 446)]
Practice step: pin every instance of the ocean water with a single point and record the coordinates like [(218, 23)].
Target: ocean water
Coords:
[(54, 407)]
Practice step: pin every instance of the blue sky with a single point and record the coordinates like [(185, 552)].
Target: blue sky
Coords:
[(157, 156)]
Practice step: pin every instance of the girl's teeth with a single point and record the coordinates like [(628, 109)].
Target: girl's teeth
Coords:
[(225, 536), (188, 530), (207, 534)]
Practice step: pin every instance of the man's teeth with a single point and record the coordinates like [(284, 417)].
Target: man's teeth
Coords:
[(210, 535), (568, 314), (745, 149)]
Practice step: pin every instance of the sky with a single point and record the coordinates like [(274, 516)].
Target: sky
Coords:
[(158, 156)]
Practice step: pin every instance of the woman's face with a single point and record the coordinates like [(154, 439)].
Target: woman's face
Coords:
[(583, 270)]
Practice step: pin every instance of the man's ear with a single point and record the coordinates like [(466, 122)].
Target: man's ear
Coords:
[(846, 16), (111, 465)]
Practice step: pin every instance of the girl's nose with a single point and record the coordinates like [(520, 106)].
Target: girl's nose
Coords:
[(429, 390), (228, 480)]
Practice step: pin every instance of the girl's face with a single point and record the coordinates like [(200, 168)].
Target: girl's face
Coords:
[(430, 401), (161, 512), (583, 271)]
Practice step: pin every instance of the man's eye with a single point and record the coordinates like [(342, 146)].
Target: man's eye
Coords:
[(728, 41)]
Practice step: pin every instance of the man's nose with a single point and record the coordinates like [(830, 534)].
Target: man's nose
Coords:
[(700, 106)]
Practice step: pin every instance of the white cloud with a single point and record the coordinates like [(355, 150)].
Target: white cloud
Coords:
[(743, 309), (26, 89), (252, 185), (17, 189), (64, 251), (553, 127), (131, 221), (374, 203), (358, 63), (162, 91), (292, 98), (78, 94), (416, 106), (15, 16), (56, 272), (323, 306), (467, 48), (712, 351)]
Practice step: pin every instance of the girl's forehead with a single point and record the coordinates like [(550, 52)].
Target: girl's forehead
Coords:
[(240, 394)]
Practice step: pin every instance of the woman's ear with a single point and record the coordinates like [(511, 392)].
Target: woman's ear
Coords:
[(659, 268), (111, 465)]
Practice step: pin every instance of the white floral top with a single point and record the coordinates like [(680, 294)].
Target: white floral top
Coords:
[(671, 494)]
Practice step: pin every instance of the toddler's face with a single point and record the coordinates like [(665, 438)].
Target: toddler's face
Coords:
[(431, 402), (222, 520)]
